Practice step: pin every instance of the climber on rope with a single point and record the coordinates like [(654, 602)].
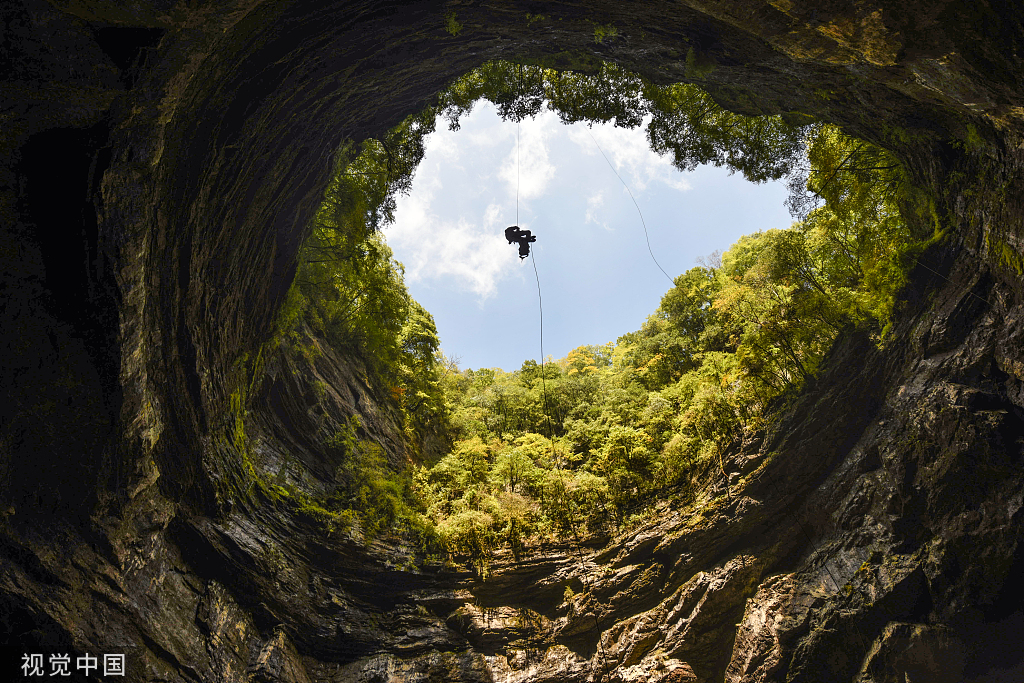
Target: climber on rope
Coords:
[(523, 237)]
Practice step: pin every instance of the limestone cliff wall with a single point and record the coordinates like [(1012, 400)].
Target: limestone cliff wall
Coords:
[(160, 162)]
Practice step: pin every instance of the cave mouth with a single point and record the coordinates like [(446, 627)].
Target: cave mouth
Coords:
[(243, 171), (676, 132), (732, 339), (598, 278)]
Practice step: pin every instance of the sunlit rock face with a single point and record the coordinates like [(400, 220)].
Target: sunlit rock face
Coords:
[(160, 162)]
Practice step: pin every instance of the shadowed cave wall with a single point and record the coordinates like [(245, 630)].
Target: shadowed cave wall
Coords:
[(160, 163)]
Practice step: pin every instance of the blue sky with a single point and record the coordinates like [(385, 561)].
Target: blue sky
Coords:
[(596, 275)]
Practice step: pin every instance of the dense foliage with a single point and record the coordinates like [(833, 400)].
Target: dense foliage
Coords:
[(349, 292), (350, 289), (581, 444), (682, 119), (590, 439)]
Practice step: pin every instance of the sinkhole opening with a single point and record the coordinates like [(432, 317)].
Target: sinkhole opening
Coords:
[(573, 186), (596, 433)]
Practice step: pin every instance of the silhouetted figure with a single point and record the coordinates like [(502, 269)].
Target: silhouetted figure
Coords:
[(523, 237)]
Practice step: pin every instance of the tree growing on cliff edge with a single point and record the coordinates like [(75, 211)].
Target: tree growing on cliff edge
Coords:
[(350, 289)]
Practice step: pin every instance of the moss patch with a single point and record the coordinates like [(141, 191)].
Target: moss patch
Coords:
[(1004, 254)]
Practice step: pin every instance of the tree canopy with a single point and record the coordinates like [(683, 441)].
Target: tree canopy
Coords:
[(682, 119), (586, 442)]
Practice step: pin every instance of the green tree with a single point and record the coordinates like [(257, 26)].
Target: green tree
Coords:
[(658, 407), (514, 471), (367, 487), (419, 382), (688, 305), (611, 94), (576, 502), (683, 120), (628, 465), (859, 233), (689, 125)]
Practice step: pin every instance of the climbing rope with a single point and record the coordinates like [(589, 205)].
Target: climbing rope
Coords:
[(799, 522), (543, 379), (971, 292), (544, 389), (551, 440), (642, 221)]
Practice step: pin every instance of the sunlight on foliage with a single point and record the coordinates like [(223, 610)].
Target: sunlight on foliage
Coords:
[(589, 442), (350, 289), (595, 438)]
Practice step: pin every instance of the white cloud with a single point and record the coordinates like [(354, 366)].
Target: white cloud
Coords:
[(498, 133), (628, 151), (529, 167), (455, 236), (594, 205), (441, 143), (473, 253), (476, 259), (459, 233)]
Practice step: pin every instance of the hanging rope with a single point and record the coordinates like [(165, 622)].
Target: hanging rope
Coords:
[(519, 118), (544, 386), (540, 303), (642, 222), (551, 440), (543, 378)]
